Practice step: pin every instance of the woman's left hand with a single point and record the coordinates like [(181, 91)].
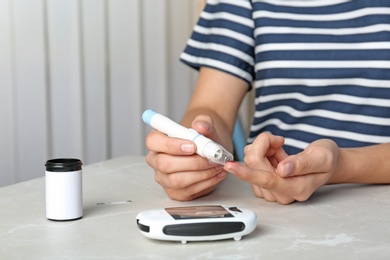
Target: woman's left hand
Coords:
[(275, 176)]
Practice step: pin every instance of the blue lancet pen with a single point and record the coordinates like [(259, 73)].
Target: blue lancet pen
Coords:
[(205, 147)]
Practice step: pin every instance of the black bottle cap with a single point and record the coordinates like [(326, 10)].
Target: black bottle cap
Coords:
[(63, 165)]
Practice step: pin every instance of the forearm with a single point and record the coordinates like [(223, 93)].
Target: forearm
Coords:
[(369, 164), (218, 95)]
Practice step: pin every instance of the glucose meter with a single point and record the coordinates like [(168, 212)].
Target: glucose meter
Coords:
[(196, 223)]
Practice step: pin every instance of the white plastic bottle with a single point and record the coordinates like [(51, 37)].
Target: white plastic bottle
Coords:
[(64, 194)]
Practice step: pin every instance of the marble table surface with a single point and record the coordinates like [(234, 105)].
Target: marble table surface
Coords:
[(337, 222)]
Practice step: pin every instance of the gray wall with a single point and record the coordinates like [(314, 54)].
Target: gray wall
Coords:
[(75, 76)]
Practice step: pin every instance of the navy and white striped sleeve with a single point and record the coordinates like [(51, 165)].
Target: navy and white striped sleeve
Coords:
[(223, 39)]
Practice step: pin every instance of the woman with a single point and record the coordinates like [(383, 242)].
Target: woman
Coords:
[(321, 73)]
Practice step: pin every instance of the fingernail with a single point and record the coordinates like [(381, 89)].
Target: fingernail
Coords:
[(287, 169), (221, 174), (219, 167), (187, 148), (202, 124)]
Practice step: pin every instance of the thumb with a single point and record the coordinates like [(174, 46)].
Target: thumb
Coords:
[(299, 164), (318, 157), (204, 125)]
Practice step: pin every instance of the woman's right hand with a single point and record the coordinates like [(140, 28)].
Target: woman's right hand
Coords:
[(182, 173)]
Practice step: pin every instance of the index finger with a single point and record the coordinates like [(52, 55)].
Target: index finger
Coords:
[(262, 178), (160, 143)]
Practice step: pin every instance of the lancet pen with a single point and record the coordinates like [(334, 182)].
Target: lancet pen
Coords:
[(206, 148)]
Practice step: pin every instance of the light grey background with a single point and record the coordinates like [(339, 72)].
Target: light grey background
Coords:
[(76, 75)]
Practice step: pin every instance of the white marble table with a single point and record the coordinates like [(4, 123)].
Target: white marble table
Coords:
[(338, 222)]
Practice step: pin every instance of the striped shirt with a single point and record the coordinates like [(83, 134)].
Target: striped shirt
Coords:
[(319, 68)]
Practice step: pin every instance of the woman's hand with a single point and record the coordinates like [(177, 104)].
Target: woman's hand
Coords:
[(182, 173), (275, 176)]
